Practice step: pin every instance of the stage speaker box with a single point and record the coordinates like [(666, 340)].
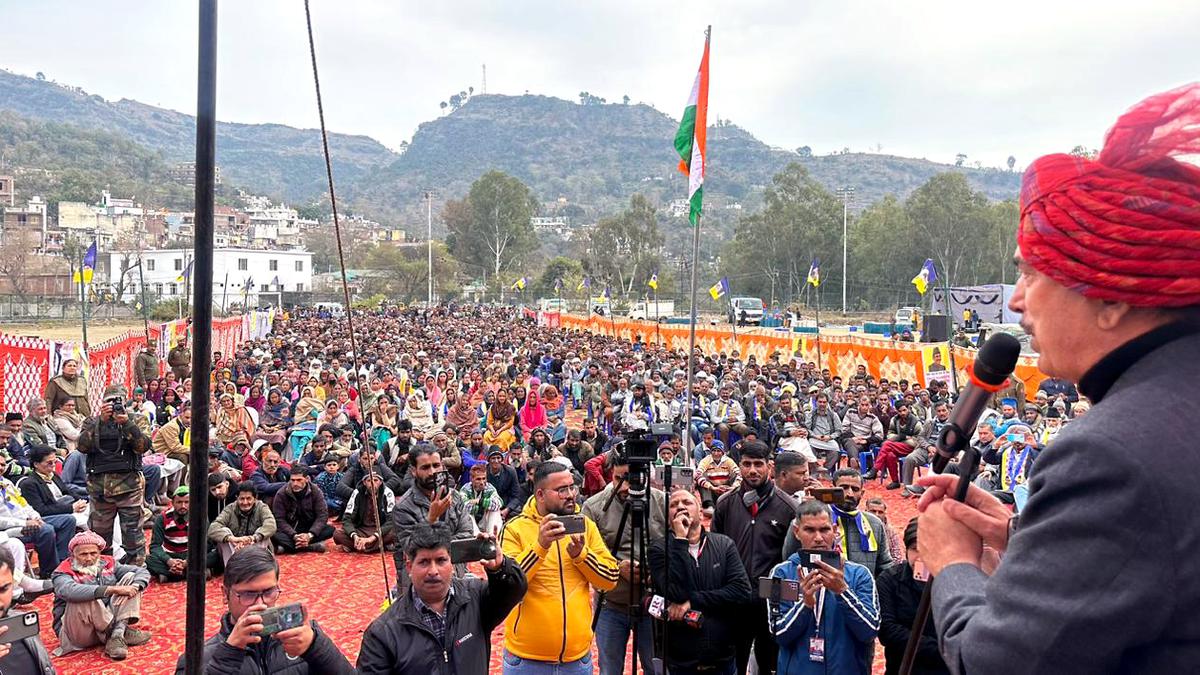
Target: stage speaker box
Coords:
[(936, 328)]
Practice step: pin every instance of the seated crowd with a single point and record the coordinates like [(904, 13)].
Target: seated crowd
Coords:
[(471, 422)]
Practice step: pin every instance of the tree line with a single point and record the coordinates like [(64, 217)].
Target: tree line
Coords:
[(491, 240)]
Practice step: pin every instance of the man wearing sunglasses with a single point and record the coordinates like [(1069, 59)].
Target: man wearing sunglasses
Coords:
[(251, 585)]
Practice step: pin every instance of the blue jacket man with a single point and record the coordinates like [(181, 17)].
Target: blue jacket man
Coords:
[(832, 628)]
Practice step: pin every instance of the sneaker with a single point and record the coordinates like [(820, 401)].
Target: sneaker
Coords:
[(871, 475), (893, 486), (913, 490), (135, 637), (318, 547), (116, 648)]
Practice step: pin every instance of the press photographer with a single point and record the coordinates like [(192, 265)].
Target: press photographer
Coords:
[(706, 578), (114, 446), (620, 608), (442, 622)]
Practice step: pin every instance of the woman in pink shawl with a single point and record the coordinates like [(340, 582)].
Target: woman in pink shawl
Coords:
[(433, 393), (533, 413)]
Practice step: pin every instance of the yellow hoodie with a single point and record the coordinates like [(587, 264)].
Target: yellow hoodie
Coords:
[(553, 622)]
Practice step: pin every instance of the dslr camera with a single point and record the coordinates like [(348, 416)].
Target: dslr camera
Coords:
[(118, 405)]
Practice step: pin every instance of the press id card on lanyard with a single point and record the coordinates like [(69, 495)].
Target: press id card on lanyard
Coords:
[(816, 644)]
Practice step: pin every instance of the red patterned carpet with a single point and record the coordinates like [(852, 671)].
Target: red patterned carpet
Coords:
[(342, 591)]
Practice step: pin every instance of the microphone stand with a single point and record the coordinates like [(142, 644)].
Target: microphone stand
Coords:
[(966, 468)]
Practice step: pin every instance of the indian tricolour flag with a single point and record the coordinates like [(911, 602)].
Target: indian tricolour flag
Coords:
[(689, 140)]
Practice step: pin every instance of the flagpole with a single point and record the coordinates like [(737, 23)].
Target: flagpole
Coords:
[(691, 367), (657, 331), (224, 291), (818, 294), (145, 309), (83, 307)]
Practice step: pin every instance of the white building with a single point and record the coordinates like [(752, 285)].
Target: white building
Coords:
[(258, 274)]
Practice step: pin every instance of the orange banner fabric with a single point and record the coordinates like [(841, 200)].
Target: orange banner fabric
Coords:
[(841, 354)]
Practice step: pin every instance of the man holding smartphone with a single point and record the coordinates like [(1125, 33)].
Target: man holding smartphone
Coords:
[(27, 655), (833, 625), (442, 618), (552, 627), (251, 586)]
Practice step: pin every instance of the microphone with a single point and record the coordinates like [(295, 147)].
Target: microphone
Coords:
[(996, 361)]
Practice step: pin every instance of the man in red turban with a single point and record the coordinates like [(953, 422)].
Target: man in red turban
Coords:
[(1100, 573)]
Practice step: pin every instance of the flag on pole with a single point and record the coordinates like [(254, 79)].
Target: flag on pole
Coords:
[(605, 293), (720, 288), (89, 266), (557, 285), (275, 281), (583, 283), (186, 273), (248, 285), (691, 136), (653, 282), (519, 284), (814, 272), (926, 276)]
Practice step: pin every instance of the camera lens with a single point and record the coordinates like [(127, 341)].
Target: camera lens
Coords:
[(487, 550)]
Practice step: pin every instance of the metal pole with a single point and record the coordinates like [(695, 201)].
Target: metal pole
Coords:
[(818, 294), (206, 137), (429, 245), (844, 256), (145, 309), (83, 306), (224, 291), (688, 444)]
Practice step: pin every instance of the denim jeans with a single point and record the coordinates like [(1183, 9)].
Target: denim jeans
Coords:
[(515, 665), (612, 636), (51, 541)]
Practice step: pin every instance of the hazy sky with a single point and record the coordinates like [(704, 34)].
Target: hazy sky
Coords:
[(923, 78)]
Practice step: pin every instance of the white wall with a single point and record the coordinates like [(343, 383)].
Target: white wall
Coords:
[(241, 265)]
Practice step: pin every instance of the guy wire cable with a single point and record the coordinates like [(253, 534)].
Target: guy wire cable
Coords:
[(355, 353)]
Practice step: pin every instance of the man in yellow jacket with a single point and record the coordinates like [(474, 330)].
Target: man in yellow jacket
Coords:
[(551, 629)]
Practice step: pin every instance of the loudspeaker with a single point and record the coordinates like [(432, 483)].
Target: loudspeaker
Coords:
[(935, 328)]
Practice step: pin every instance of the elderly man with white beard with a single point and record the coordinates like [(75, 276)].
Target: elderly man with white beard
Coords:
[(96, 600)]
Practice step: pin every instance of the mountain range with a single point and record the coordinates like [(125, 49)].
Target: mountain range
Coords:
[(593, 155)]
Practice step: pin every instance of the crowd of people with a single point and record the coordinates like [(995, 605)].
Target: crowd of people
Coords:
[(468, 422)]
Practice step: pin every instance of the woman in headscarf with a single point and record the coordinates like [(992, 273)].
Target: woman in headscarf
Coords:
[(332, 415), (168, 407), (501, 418), (232, 419), (555, 406), (433, 393), (461, 415), (154, 390), (348, 406), (68, 422), (255, 398), (230, 387), (275, 418), (309, 407), (418, 412), (383, 417), (533, 415)]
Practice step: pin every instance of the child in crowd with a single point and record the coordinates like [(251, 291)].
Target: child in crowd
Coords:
[(328, 481)]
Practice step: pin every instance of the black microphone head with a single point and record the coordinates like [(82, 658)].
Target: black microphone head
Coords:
[(997, 358)]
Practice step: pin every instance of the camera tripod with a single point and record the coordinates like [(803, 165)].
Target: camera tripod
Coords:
[(635, 513)]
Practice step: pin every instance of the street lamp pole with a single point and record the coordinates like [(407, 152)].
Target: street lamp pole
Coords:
[(846, 194), (429, 245)]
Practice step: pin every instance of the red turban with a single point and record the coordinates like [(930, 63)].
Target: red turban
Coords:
[(1125, 226)]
